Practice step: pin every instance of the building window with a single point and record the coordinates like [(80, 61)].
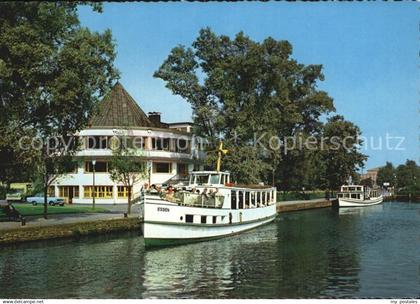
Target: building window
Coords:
[(162, 167), (51, 191), (161, 144), (203, 219), (182, 169), (100, 191), (138, 143), (68, 191), (97, 142), (71, 167), (100, 166), (182, 146), (122, 191), (189, 218)]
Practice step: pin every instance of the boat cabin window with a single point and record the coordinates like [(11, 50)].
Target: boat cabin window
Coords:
[(246, 199), (354, 195), (214, 179), (214, 219), (203, 219), (233, 199), (241, 199), (189, 218), (201, 179)]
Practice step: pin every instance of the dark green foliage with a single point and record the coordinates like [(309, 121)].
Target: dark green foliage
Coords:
[(52, 72), (341, 160), (386, 174), (408, 177), (367, 182), (241, 90), (127, 168)]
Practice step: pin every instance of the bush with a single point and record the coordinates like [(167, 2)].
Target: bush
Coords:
[(3, 191)]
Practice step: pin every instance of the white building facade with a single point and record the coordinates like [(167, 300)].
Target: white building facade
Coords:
[(170, 151)]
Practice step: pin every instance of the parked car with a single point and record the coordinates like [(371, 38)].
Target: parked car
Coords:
[(15, 195), (39, 199), (18, 191)]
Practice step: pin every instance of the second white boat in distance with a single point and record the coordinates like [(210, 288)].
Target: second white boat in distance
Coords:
[(358, 196), (209, 207)]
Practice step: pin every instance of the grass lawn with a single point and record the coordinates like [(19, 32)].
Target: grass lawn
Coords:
[(27, 209), (297, 196)]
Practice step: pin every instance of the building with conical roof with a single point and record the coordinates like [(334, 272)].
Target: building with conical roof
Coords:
[(169, 149)]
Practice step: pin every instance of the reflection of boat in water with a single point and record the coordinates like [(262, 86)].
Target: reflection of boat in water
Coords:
[(360, 210), (209, 207), (209, 269), (358, 196)]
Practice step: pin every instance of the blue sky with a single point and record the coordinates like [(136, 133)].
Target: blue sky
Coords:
[(369, 52)]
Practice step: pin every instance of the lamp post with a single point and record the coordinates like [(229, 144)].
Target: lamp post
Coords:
[(94, 190)]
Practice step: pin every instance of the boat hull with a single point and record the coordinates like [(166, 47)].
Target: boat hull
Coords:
[(165, 224), (171, 239), (346, 202)]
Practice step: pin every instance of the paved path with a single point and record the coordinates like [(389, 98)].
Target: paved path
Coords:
[(61, 219)]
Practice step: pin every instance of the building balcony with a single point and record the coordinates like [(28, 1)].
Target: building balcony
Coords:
[(153, 154)]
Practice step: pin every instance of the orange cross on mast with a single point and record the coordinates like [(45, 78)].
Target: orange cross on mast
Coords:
[(220, 151)]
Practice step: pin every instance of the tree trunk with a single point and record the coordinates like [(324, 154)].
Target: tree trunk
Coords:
[(129, 200), (46, 195)]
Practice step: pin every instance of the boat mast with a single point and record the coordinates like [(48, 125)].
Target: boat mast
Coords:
[(220, 152)]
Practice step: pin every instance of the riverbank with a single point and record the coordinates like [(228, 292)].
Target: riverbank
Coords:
[(65, 227), (288, 206)]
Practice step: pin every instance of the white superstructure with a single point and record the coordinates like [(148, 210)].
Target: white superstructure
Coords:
[(209, 207)]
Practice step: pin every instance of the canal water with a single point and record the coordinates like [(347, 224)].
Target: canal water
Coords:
[(367, 252)]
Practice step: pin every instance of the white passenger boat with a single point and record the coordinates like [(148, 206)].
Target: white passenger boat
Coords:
[(358, 196), (209, 207)]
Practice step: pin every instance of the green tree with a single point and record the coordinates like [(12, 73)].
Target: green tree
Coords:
[(408, 177), (340, 154), (52, 71), (367, 182), (386, 174), (127, 168), (246, 92)]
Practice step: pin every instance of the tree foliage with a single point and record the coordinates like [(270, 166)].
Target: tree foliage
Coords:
[(127, 168), (386, 174), (247, 92), (52, 73), (408, 176), (341, 155)]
